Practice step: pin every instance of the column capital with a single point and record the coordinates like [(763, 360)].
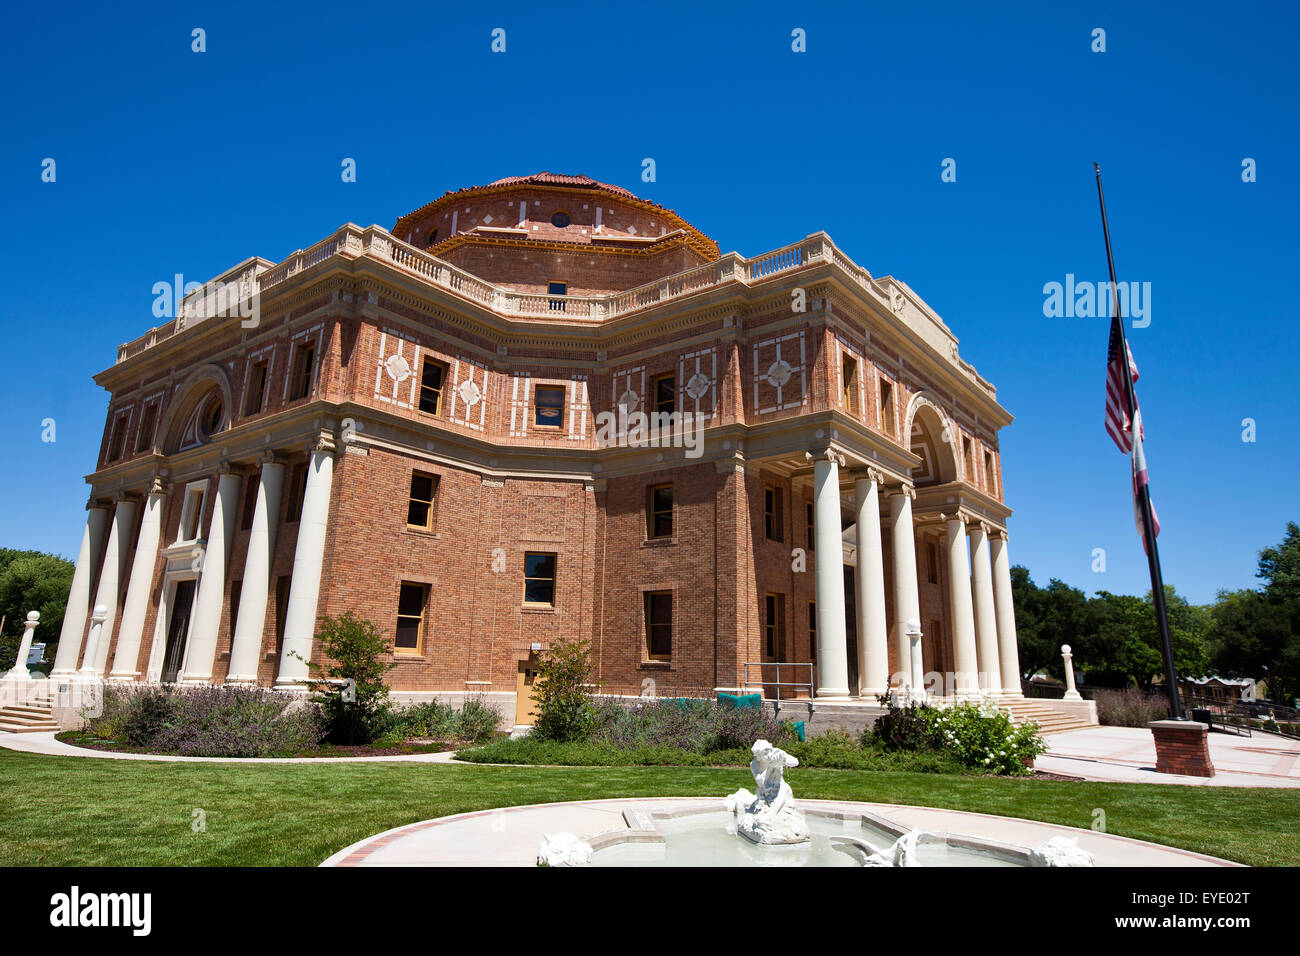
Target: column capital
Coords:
[(1000, 534), (830, 454), (973, 525), (324, 442), (868, 473), (158, 485), (268, 457), (954, 516), (905, 488)]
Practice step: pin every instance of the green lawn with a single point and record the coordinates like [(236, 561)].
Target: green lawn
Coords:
[(80, 811)]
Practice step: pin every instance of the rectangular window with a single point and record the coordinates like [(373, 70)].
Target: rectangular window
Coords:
[(849, 374), (432, 376), (557, 290), (773, 527), (411, 601), (774, 625), (420, 510), (665, 394), (887, 420), (281, 610), (144, 438), (659, 625), (659, 511), (192, 514), (304, 366), (990, 475), (548, 406), (117, 438), (932, 562), (539, 578), (297, 491), (812, 630), (251, 483), (255, 394), (968, 459), (812, 539)]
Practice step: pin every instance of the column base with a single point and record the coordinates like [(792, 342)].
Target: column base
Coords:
[(872, 692), (1071, 695), (832, 694), (121, 678), (291, 687), (241, 680)]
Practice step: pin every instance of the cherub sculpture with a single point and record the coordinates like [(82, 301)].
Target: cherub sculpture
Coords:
[(770, 816)]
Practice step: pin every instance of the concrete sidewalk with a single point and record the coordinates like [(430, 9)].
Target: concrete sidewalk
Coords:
[(1128, 755)]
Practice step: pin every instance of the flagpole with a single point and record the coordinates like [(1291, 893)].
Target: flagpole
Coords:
[(1144, 491)]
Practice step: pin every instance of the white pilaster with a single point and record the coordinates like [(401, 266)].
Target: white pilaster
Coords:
[(201, 650), (907, 600), (1008, 650), (308, 557), (74, 618), (986, 625), (832, 636), (873, 629), (139, 586), (110, 584), (965, 663), (246, 645)]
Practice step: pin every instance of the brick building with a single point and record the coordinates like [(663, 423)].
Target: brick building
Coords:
[(437, 428)]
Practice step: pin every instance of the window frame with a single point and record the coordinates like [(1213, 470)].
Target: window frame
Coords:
[(259, 390), (555, 301), (773, 515), (773, 624), (537, 406), (297, 492), (431, 516), (887, 409), (650, 624), (302, 372), (554, 579), (193, 501), (812, 631), (849, 383), (418, 650), (117, 436), (443, 371), (652, 512), (808, 514), (655, 401)]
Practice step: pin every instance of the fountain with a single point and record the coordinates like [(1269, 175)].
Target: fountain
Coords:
[(769, 816)]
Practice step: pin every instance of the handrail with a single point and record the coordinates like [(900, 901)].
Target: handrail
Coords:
[(746, 683)]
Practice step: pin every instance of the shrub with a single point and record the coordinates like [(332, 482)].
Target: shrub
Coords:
[(353, 650), (1130, 707), (901, 728), (474, 721), (984, 738), (150, 711), (565, 708), (478, 720), (695, 726), (110, 722)]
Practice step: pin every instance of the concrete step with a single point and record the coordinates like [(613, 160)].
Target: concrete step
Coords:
[(27, 709)]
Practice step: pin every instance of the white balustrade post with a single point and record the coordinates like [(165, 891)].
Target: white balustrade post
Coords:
[(308, 558), (873, 629), (20, 671), (1071, 693), (74, 618), (139, 585)]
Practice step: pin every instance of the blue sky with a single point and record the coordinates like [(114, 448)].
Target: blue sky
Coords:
[(172, 161)]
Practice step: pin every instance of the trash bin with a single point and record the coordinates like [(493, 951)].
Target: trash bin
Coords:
[(1201, 714)]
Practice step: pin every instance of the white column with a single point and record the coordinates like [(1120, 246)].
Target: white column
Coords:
[(1008, 651), (959, 603), (246, 646), (907, 601), (832, 636), (20, 671), (202, 648), (873, 630), (110, 584), (139, 586), (308, 557), (93, 639), (986, 623), (74, 618)]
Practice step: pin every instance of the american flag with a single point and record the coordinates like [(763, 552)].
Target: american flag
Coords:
[(1140, 480), (1118, 421)]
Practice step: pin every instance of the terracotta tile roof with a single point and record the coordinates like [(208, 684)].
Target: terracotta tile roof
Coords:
[(557, 179)]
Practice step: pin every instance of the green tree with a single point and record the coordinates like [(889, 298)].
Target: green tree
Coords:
[(32, 581), (565, 708), (354, 650)]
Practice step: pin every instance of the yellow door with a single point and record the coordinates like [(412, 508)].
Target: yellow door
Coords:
[(525, 700)]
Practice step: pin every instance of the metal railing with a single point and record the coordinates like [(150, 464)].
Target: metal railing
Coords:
[(1218, 712), (763, 683)]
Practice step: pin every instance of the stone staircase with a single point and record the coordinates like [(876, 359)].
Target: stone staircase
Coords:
[(1049, 720), (32, 717)]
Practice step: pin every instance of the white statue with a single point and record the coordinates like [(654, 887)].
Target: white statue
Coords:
[(563, 849), (903, 851), (1060, 851), (770, 816)]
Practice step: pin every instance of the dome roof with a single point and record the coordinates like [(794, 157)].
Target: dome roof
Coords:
[(558, 179)]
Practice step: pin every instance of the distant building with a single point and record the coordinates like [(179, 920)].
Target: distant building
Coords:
[(437, 427)]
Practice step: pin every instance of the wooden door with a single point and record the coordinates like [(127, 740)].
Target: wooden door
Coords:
[(525, 694), (177, 629)]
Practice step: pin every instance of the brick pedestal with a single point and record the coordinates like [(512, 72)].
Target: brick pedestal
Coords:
[(1182, 747)]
